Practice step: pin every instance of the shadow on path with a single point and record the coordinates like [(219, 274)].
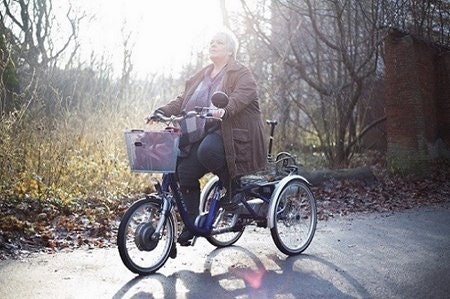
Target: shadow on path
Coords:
[(234, 271)]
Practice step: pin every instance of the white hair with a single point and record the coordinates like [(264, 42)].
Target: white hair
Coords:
[(231, 42)]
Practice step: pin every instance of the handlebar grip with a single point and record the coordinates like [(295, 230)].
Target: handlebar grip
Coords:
[(155, 117)]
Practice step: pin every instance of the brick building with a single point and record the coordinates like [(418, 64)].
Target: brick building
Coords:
[(417, 102)]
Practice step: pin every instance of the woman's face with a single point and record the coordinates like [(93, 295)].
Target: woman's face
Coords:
[(218, 49)]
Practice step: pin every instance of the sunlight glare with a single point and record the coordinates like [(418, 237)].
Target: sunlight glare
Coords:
[(165, 34)]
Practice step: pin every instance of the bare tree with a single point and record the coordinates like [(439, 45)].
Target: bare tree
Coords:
[(225, 17), (33, 37), (33, 25), (9, 83), (329, 52), (127, 65), (426, 19)]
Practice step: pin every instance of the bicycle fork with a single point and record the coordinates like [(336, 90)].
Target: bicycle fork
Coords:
[(165, 211)]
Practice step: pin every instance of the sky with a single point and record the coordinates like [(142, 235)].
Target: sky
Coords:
[(164, 33)]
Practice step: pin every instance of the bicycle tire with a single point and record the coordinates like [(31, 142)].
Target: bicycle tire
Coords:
[(138, 252), (295, 218), (223, 239)]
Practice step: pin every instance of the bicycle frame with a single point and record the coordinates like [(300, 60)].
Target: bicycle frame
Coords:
[(204, 227), (169, 182)]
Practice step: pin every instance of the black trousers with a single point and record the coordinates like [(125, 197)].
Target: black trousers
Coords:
[(206, 156)]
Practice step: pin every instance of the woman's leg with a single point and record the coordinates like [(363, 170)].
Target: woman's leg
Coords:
[(211, 155), (189, 171)]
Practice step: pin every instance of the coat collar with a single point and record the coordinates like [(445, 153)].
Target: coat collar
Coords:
[(232, 65)]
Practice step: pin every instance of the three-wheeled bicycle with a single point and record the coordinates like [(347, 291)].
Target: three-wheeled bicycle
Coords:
[(279, 199)]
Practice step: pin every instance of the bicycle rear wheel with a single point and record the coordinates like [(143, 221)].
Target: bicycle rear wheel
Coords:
[(224, 219), (295, 218), (138, 251)]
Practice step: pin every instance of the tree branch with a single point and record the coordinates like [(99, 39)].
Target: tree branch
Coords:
[(365, 130)]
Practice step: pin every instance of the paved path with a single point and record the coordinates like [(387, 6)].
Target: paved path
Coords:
[(402, 255)]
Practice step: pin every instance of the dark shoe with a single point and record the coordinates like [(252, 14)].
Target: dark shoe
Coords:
[(185, 237)]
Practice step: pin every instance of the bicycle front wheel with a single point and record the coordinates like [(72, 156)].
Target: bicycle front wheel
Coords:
[(138, 251), (295, 218)]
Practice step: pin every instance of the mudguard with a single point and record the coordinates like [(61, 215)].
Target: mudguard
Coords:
[(276, 193)]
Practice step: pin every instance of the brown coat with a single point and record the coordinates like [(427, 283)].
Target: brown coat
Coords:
[(242, 127)]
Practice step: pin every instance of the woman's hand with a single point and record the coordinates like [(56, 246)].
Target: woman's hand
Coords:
[(153, 116), (219, 113)]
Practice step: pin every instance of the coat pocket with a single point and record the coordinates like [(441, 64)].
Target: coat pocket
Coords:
[(242, 145)]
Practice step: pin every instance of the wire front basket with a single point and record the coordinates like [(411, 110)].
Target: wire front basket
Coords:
[(152, 151)]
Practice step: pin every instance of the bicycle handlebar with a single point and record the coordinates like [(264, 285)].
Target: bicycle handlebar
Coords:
[(201, 112)]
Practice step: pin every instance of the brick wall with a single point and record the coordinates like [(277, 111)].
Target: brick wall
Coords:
[(417, 102), (443, 99)]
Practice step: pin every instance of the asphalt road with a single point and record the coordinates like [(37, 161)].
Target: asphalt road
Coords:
[(400, 255)]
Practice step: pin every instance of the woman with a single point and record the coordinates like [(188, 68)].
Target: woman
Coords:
[(235, 147)]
